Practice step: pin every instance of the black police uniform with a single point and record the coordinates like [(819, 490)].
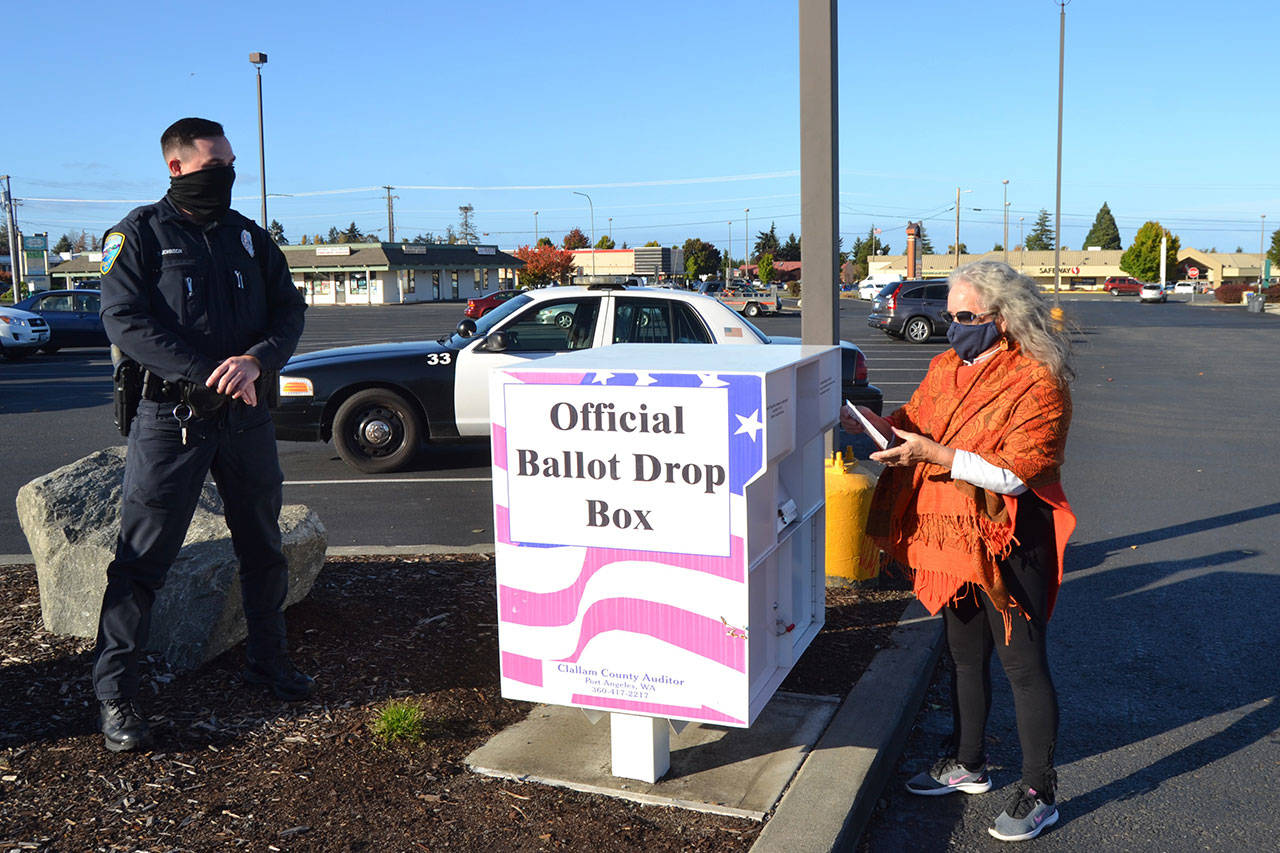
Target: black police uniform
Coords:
[(179, 298)]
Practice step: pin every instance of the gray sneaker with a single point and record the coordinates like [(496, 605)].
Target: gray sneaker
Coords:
[(1026, 816), (948, 776)]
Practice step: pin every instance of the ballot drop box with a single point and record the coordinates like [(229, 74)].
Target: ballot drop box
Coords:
[(659, 524)]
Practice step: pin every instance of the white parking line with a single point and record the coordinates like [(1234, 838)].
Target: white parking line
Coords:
[(386, 481)]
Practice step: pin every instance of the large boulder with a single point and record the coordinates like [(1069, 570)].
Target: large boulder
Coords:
[(71, 518)]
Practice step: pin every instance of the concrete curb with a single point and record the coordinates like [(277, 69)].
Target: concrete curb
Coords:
[(337, 551), (832, 796)]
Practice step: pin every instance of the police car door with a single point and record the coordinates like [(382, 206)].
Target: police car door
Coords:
[(545, 328)]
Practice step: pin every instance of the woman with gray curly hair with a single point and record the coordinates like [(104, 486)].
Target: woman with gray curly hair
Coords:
[(971, 502)]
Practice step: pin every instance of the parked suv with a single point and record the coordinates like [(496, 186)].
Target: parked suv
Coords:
[(911, 309), (1118, 284)]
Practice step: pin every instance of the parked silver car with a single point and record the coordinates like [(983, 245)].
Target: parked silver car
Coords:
[(911, 309)]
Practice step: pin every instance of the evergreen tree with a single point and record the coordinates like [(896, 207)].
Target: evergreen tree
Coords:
[(790, 250), (605, 242), (353, 234), (1041, 236), (767, 242), (1104, 232), (1274, 253), (1142, 259), (335, 236), (63, 244), (926, 245), (276, 232), (765, 269)]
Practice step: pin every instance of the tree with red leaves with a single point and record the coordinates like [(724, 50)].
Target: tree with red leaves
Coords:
[(575, 239), (544, 265)]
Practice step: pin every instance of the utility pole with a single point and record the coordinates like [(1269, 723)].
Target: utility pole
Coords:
[(1005, 244), (12, 230), (957, 245), (391, 216), (1057, 203)]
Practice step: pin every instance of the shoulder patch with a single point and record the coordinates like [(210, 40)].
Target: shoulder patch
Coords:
[(246, 239), (111, 250)]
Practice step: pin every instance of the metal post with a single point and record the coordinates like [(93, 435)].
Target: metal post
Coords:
[(535, 229), (610, 229), (260, 59), (819, 172), (593, 229), (746, 244), (1005, 244), (728, 255), (1057, 204), (1262, 257)]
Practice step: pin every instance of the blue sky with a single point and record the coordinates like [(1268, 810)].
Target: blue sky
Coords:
[(674, 117)]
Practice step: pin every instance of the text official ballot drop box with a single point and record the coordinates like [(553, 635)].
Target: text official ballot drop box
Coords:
[(659, 525)]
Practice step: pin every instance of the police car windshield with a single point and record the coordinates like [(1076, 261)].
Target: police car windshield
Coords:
[(486, 323)]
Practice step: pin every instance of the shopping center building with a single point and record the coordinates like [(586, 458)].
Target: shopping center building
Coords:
[(1083, 269), (366, 273)]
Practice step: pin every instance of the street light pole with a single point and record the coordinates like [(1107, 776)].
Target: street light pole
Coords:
[(593, 229), (1005, 244), (728, 255), (535, 229), (1057, 209), (610, 229), (258, 60), (746, 242)]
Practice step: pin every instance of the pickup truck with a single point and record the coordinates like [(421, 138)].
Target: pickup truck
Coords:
[(748, 301)]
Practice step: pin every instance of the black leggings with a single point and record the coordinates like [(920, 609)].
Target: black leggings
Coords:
[(975, 627)]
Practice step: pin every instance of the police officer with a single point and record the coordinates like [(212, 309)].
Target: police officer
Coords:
[(202, 299)]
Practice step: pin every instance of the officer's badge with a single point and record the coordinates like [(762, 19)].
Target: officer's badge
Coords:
[(111, 250), (247, 241)]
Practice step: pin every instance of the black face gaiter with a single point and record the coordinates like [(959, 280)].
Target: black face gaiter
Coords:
[(205, 194)]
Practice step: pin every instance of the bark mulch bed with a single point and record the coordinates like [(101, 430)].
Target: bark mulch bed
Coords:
[(233, 768)]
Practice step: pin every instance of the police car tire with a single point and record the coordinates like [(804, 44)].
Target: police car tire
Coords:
[(384, 406)]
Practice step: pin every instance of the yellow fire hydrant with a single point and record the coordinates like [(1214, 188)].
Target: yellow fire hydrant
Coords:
[(851, 554)]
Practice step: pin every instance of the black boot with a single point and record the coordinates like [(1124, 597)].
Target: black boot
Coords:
[(281, 677), (124, 729)]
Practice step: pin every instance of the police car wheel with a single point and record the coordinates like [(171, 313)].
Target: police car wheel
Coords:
[(377, 431)]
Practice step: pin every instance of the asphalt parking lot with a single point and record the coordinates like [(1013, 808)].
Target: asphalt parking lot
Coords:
[(55, 409)]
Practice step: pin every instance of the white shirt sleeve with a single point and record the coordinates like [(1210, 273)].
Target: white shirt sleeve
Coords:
[(972, 468)]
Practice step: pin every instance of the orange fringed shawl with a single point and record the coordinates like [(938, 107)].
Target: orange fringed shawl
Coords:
[(1012, 412)]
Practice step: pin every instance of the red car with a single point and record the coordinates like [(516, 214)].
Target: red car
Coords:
[(1118, 284), (481, 305)]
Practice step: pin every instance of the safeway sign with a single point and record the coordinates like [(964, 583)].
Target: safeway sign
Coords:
[(1193, 272)]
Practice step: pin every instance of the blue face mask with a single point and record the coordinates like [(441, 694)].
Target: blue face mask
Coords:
[(969, 342)]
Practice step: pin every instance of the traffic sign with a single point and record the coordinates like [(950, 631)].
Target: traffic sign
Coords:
[(1193, 272)]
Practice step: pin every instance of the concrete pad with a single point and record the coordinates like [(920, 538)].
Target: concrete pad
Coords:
[(717, 769)]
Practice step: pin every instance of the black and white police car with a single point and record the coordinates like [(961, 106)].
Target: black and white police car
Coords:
[(379, 403)]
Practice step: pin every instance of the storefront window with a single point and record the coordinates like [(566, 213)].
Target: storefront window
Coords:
[(482, 280), (453, 284), (435, 284), (410, 284)]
